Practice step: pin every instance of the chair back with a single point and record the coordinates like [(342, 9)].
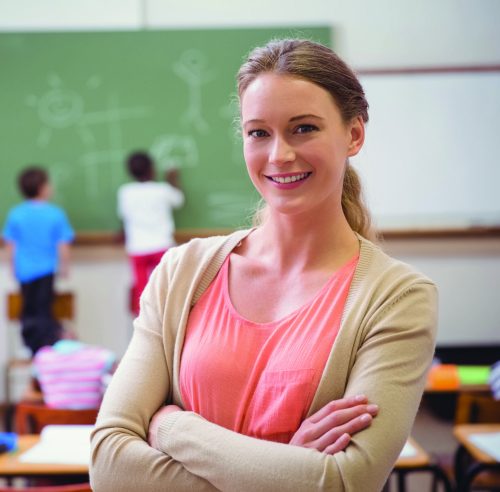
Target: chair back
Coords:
[(76, 487), (62, 309), (477, 408), (31, 418)]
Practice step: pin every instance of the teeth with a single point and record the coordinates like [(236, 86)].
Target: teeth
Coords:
[(289, 179)]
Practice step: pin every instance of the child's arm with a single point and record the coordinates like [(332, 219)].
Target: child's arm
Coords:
[(64, 259), (9, 246), (172, 177)]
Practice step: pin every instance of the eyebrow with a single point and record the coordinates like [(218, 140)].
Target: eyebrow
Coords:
[(302, 116), (293, 118)]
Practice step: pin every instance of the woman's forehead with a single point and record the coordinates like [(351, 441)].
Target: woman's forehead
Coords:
[(275, 92)]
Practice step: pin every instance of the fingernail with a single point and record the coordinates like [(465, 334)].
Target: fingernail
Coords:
[(372, 408), (360, 397), (366, 417)]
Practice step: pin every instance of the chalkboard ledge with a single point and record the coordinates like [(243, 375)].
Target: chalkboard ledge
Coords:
[(442, 233), (116, 238), (184, 235), (89, 238)]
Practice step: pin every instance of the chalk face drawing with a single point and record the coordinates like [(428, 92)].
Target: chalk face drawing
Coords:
[(60, 107), (192, 67), (100, 132)]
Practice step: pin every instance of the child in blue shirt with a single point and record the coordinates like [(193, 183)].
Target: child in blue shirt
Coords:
[(37, 235)]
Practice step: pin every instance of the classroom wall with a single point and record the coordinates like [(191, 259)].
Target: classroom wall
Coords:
[(386, 33)]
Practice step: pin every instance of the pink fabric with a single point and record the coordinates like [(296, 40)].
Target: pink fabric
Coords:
[(142, 266), (258, 379), (72, 380)]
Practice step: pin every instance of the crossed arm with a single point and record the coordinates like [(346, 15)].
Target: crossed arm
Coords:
[(329, 430), (190, 453)]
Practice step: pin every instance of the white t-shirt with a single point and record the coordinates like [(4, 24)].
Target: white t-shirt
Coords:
[(146, 211)]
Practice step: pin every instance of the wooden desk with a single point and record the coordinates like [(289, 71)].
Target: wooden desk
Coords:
[(466, 473), (10, 466), (463, 388), (420, 459), (420, 462)]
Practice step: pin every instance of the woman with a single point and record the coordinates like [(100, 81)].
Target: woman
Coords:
[(268, 344)]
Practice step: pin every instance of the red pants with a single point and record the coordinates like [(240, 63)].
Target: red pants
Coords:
[(142, 266)]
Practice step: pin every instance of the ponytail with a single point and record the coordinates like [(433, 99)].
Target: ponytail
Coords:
[(353, 206)]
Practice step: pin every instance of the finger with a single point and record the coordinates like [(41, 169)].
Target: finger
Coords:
[(339, 445), (352, 427), (339, 418), (334, 405)]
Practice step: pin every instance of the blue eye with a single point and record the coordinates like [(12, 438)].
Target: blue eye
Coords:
[(257, 133), (306, 128)]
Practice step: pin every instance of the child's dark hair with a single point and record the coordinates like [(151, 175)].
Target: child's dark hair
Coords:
[(31, 180), (140, 166)]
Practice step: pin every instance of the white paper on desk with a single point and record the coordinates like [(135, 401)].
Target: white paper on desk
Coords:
[(408, 451), (487, 442), (61, 444)]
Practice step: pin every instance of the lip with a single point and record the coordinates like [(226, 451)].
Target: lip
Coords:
[(288, 186)]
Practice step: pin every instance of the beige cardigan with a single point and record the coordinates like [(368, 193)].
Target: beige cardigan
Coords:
[(383, 350)]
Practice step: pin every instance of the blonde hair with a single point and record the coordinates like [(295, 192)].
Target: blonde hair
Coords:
[(318, 64)]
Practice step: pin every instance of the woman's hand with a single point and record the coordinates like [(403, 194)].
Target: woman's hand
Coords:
[(156, 421), (330, 429)]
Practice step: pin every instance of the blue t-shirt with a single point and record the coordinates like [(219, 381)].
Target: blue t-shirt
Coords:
[(36, 228)]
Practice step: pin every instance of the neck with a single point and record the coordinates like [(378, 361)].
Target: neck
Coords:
[(305, 242)]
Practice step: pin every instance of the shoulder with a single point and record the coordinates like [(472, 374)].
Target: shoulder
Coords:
[(381, 282), (390, 296), (127, 187), (376, 264), (191, 267), (55, 209), (202, 250), (55, 212), (17, 210)]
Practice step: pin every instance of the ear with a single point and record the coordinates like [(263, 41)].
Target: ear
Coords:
[(356, 135)]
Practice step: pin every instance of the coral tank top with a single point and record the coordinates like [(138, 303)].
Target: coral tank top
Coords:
[(259, 379)]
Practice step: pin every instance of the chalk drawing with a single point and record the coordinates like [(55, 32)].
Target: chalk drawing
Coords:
[(58, 108), (60, 175), (228, 206), (192, 68), (175, 151), (231, 113), (61, 108), (93, 159)]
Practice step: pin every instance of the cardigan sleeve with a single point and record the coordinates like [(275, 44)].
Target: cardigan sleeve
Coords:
[(390, 368), (121, 458)]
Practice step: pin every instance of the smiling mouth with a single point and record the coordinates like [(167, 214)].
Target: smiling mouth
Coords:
[(289, 179)]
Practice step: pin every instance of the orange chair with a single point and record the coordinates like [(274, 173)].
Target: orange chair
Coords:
[(31, 418), (76, 487)]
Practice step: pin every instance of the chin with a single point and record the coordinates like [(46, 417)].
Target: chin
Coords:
[(289, 208)]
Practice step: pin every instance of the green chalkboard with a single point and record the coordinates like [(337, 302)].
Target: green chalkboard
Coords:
[(79, 102)]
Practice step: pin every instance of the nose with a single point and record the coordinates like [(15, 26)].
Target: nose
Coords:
[(281, 152)]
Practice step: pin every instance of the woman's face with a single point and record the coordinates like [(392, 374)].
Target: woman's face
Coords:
[(296, 144)]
